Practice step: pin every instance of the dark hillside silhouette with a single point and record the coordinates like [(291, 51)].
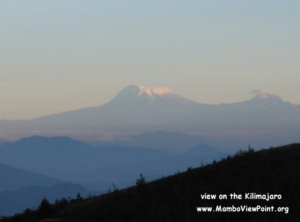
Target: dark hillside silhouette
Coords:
[(176, 198)]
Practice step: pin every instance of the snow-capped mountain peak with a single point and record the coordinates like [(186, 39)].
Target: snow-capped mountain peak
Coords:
[(263, 94), (134, 94), (150, 91)]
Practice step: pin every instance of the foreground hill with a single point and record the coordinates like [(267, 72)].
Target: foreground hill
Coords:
[(273, 173)]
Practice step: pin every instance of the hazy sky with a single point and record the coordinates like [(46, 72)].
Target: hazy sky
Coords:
[(62, 55)]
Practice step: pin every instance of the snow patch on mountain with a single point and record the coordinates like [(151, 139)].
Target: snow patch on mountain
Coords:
[(147, 95), (263, 94), (153, 90)]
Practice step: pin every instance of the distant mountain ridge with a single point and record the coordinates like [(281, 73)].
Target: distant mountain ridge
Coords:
[(140, 109), (150, 106), (95, 167), (57, 141), (13, 178)]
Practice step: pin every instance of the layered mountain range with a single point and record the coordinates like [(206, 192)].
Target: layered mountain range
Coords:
[(38, 167), (148, 130), (142, 109), (97, 167)]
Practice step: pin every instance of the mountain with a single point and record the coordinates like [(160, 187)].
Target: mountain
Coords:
[(60, 157), (13, 178), (135, 107), (94, 167), (140, 109), (265, 184), (143, 95)]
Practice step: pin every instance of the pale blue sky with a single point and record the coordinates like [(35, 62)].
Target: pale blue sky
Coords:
[(62, 55)]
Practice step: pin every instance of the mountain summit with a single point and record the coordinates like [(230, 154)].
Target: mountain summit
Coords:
[(140, 91), (149, 109), (262, 94), (270, 101), (134, 94), (150, 91)]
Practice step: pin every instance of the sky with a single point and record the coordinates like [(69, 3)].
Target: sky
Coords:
[(57, 56)]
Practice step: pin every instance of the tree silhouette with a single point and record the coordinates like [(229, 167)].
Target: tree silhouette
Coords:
[(141, 181), (44, 209)]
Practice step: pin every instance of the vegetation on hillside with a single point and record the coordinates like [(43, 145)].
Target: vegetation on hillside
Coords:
[(176, 198)]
